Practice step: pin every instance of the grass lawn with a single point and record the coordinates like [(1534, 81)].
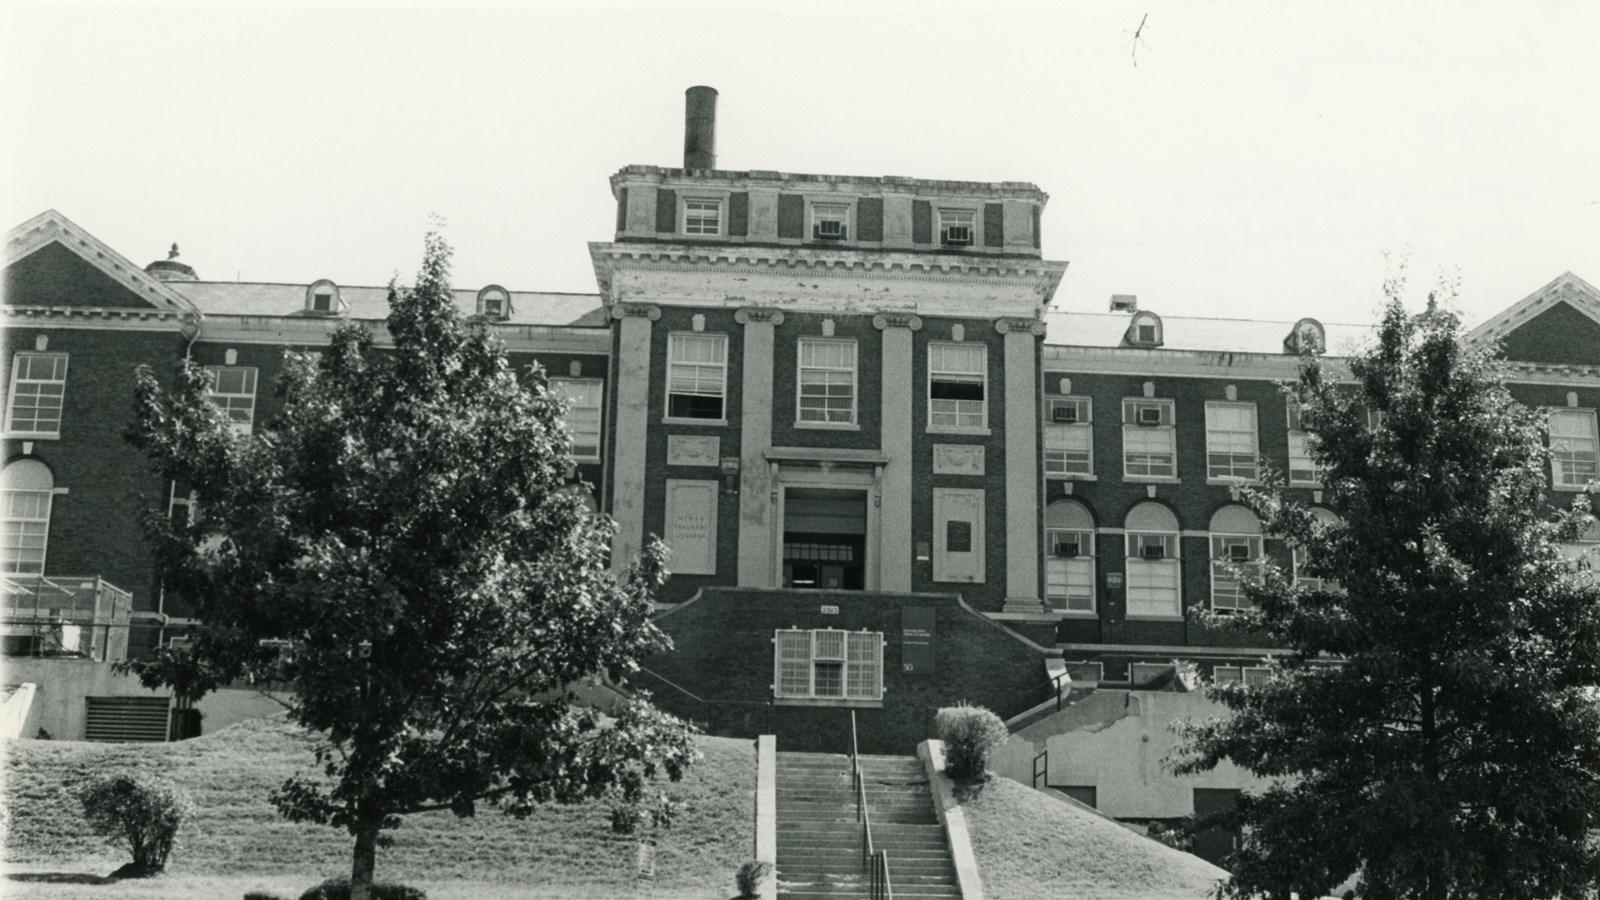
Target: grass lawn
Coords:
[(1029, 845), (238, 843)]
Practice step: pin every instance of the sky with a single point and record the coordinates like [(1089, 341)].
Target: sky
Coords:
[(1239, 159)]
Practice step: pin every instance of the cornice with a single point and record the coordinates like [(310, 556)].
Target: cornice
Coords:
[(294, 331), (1552, 373), (98, 318), (51, 226), (1566, 288), (1180, 363)]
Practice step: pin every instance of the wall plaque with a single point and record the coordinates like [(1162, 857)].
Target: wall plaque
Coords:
[(693, 450), (918, 629), (691, 531), (957, 459)]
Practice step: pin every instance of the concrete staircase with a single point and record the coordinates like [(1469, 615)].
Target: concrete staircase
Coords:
[(819, 839)]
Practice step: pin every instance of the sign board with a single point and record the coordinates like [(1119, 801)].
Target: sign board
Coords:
[(691, 526), (917, 633)]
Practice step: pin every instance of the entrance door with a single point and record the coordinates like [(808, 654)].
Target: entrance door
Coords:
[(824, 539), (1214, 844)]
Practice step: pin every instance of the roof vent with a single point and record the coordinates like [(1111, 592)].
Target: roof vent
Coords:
[(1124, 303), (170, 269)]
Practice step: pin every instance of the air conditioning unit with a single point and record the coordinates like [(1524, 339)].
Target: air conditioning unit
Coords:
[(1066, 549), (1148, 415), (1239, 553), (1153, 551), (957, 235), (1065, 413)]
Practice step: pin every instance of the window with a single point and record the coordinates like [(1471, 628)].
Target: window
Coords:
[(956, 227), (1069, 437), (26, 489), (702, 216), (958, 377), (830, 221), (1574, 448), (1154, 570), (828, 664), (697, 374), (583, 398), (494, 302), (1226, 675), (827, 389), (233, 390), (1256, 676), (322, 297), (38, 387), (1235, 545), (1069, 564), (1144, 330), (1252, 676), (1231, 441), (1144, 673), (1301, 557), (1149, 440), (1303, 468), (322, 301), (1086, 671)]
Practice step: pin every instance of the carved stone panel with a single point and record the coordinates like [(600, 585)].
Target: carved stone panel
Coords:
[(693, 450), (957, 459)]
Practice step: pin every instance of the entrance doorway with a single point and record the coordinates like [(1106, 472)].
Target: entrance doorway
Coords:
[(824, 539)]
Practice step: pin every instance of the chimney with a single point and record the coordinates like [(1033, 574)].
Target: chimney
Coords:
[(1124, 303), (700, 128), (170, 269)]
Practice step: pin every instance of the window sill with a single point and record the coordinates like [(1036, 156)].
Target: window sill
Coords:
[(1233, 482), (957, 429), (586, 460), (827, 701), (828, 426), (1308, 485), (1057, 476), (31, 436), (709, 423), (1154, 618), (1074, 614), (1564, 488), (1152, 479)]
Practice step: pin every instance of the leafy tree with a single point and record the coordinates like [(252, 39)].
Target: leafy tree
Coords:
[(400, 546), (1434, 730)]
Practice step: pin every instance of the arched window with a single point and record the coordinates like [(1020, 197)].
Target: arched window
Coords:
[(494, 302), (322, 298), (26, 488), (1145, 330), (1069, 565), (1154, 569), (1235, 541), (1302, 556)]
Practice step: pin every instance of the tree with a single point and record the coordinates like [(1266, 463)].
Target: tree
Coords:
[(1434, 729), (400, 545)]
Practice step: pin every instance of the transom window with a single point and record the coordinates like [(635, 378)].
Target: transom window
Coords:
[(233, 390), (958, 378), (1235, 551), (1574, 448), (957, 227), (1069, 566), (702, 216), (827, 388), (830, 221), (26, 489), (584, 398), (1149, 438), (38, 389), (828, 664), (697, 375), (1069, 437), (1231, 441), (1154, 571)]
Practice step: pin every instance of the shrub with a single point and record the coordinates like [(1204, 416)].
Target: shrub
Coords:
[(142, 811), (750, 876), (261, 895), (969, 733), (339, 889)]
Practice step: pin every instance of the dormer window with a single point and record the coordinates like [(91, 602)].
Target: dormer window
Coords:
[(1145, 330), (322, 298), (702, 216), (830, 222), (957, 227), (494, 302), (1308, 336)]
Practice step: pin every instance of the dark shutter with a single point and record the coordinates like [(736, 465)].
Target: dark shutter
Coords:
[(1036, 211), (994, 229), (666, 210), (126, 719), (622, 211), (921, 222), (869, 219), (739, 214), (791, 216)]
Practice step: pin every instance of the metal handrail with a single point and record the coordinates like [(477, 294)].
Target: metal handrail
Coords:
[(876, 862), (880, 887)]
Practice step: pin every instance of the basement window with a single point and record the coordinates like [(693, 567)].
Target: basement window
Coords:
[(828, 666)]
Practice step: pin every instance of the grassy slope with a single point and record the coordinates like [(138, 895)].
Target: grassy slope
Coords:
[(236, 834), (1029, 845)]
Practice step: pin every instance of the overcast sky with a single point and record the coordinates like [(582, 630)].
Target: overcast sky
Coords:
[(1254, 159)]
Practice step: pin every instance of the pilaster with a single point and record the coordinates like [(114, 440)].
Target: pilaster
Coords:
[(894, 545), (1022, 464), (633, 416), (755, 438)]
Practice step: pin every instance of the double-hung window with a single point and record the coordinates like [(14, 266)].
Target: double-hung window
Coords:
[(38, 387), (702, 216), (1069, 437), (828, 664), (1303, 467), (1574, 448), (1236, 554), (827, 388), (697, 376), (1231, 441), (26, 489), (233, 390), (1069, 566), (583, 396), (1154, 570), (1149, 439), (957, 227), (958, 380)]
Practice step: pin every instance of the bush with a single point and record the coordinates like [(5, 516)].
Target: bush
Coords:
[(261, 895), (750, 876), (142, 811), (339, 889), (969, 733)]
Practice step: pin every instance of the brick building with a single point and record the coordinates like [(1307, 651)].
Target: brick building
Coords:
[(892, 476)]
